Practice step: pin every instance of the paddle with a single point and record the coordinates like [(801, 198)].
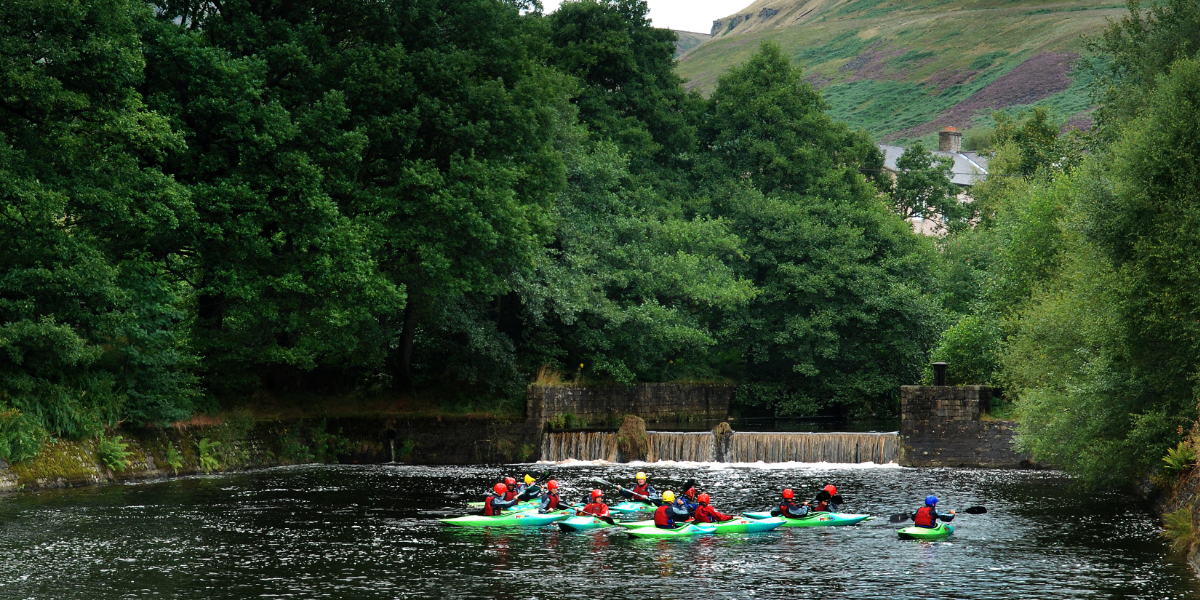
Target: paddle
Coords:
[(973, 510), (656, 501)]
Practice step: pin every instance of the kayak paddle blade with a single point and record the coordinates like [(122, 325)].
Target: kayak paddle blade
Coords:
[(976, 510), (899, 518), (822, 496)]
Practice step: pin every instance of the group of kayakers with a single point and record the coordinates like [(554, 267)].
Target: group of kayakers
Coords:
[(673, 511)]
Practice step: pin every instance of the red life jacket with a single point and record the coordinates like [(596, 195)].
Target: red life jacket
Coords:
[(708, 514), (488, 511), (660, 517), (925, 517), (511, 494), (552, 501), (597, 509), (822, 506), (643, 490), (783, 509)]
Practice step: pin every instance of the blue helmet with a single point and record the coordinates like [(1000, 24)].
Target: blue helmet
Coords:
[(930, 500)]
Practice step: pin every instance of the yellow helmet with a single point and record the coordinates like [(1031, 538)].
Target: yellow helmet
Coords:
[(528, 480), (640, 475), (668, 496)]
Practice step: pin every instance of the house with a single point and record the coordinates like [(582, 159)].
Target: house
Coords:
[(969, 168)]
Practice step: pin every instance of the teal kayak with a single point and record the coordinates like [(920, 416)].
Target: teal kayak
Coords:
[(688, 530), (741, 525), (508, 519), (941, 532), (821, 519), (526, 505), (582, 524), (630, 507)]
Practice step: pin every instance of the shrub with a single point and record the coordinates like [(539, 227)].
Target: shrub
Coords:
[(113, 453), (1180, 530), (174, 458), (972, 349), (208, 455), (1179, 459), (20, 436)]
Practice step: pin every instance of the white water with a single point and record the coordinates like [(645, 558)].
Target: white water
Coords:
[(739, 448)]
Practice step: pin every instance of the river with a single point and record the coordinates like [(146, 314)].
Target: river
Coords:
[(370, 532)]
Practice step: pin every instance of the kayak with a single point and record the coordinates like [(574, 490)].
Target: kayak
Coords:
[(942, 531), (748, 525), (630, 507), (582, 524), (737, 525), (526, 505), (510, 519), (822, 519), (688, 530)]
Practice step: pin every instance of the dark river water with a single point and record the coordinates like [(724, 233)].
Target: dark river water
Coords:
[(369, 532)]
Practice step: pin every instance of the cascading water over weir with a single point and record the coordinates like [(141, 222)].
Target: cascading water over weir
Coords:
[(740, 447)]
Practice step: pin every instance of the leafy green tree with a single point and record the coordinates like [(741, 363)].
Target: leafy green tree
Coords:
[(923, 188), (845, 312), (91, 328)]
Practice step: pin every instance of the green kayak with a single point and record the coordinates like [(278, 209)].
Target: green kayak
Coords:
[(630, 508), (526, 505), (688, 530), (738, 525), (941, 532), (509, 519), (822, 519), (582, 524)]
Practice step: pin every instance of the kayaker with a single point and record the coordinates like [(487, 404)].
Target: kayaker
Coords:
[(928, 515), (595, 508), (825, 501), (671, 512), (550, 499), (494, 503), (527, 490), (689, 497), (788, 507), (510, 484), (642, 492), (705, 513)]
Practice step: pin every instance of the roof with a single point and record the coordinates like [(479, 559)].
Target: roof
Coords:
[(969, 167)]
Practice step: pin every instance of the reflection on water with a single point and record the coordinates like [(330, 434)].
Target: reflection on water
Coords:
[(369, 532)]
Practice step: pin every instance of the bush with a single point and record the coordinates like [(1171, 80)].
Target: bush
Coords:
[(20, 436), (972, 350), (174, 458), (1179, 460), (1180, 530), (113, 453), (209, 460)]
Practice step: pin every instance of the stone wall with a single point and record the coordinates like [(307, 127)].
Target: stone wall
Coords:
[(604, 407), (940, 426)]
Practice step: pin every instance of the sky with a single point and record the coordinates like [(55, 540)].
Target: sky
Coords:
[(683, 15)]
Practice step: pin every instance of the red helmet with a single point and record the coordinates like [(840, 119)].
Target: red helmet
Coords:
[(552, 485), (500, 488), (788, 494), (832, 490), (703, 499), (596, 494), (510, 481)]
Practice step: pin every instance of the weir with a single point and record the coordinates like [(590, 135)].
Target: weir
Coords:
[(739, 447)]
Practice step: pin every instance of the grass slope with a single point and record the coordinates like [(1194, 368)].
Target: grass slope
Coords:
[(903, 69), (689, 40)]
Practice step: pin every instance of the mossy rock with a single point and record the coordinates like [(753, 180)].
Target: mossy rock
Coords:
[(632, 441)]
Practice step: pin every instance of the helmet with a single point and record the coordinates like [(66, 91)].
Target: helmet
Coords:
[(500, 488), (510, 481), (596, 494), (529, 479), (691, 492), (703, 499), (668, 496), (641, 476), (930, 500), (832, 490), (552, 485), (788, 494)]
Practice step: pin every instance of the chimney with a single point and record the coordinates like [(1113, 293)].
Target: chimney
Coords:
[(950, 140)]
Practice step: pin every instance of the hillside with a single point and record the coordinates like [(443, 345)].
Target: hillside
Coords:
[(903, 69), (689, 40)]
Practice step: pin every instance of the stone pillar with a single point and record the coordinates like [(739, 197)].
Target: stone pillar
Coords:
[(950, 140), (940, 426)]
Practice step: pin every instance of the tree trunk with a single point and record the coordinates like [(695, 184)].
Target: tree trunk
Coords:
[(407, 335)]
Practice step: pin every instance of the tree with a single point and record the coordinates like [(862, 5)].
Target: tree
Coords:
[(923, 188)]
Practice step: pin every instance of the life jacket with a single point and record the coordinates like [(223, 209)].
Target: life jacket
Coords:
[(641, 490), (488, 510), (552, 501), (662, 519), (597, 509), (788, 504), (511, 494), (822, 506), (708, 514), (925, 517)]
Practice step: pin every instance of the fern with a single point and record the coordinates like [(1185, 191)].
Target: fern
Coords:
[(1180, 530), (208, 455), (113, 453), (1179, 459), (174, 458)]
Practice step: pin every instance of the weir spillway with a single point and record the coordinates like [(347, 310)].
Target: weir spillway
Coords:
[(738, 447)]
